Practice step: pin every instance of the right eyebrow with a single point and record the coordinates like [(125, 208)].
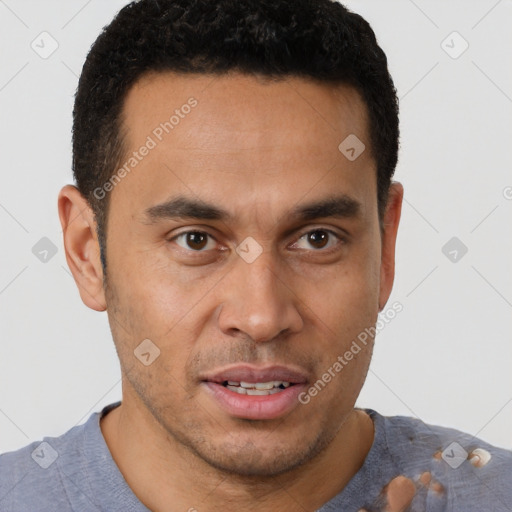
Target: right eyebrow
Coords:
[(184, 207)]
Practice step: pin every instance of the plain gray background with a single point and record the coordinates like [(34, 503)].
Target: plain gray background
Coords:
[(446, 358)]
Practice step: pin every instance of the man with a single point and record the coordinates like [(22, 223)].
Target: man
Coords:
[(235, 216)]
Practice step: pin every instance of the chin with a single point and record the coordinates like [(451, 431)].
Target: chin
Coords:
[(251, 461), (257, 454)]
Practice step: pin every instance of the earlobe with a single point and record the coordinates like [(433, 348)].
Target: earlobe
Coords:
[(390, 228), (81, 246)]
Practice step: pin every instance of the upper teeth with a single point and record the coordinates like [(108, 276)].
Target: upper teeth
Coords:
[(257, 388), (259, 385)]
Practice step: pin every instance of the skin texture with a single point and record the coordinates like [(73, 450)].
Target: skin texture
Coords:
[(257, 149)]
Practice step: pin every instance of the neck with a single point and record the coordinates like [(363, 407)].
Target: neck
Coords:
[(160, 470)]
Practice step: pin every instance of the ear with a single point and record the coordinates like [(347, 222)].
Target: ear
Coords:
[(389, 231), (81, 246)]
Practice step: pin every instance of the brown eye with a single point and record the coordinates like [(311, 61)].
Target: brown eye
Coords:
[(193, 240), (197, 241), (318, 239)]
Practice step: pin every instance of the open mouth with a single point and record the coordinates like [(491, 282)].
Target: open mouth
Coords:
[(255, 393), (257, 388)]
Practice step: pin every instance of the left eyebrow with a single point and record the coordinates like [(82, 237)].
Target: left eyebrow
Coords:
[(340, 206)]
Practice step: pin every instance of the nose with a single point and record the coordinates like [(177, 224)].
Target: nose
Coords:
[(258, 302)]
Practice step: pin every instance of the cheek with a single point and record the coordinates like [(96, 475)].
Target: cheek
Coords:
[(157, 294), (167, 306), (346, 309), (346, 297)]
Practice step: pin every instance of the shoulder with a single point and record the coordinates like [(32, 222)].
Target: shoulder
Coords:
[(33, 477), (462, 471)]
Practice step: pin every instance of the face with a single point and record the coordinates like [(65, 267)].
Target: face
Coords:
[(247, 248)]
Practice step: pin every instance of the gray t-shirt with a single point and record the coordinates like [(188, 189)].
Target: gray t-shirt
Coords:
[(444, 469)]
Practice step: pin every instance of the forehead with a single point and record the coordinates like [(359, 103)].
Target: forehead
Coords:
[(238, 135), (226, 100)]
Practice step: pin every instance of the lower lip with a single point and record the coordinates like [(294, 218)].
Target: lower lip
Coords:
[(255, 407)]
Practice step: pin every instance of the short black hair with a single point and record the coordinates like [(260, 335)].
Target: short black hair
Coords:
[(315, 39)]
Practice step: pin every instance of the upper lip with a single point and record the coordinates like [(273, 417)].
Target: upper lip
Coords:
[(252, 374)]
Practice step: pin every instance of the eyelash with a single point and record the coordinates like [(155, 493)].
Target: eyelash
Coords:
[(341, 239)]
